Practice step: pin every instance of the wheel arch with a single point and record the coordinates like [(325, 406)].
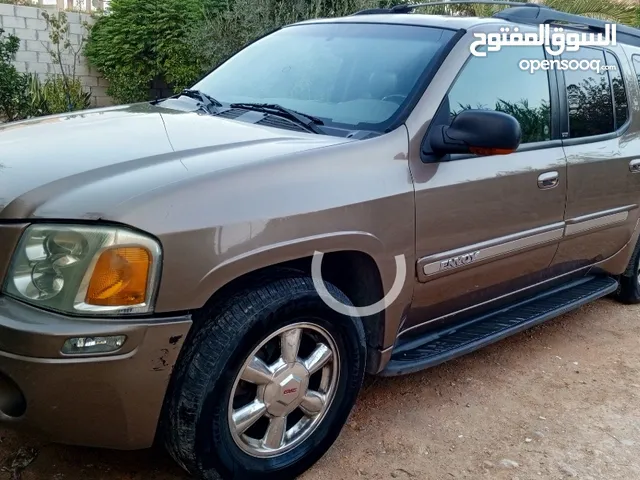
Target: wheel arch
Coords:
[(353, 261)]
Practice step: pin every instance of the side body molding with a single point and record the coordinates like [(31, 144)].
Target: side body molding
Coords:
[(445, 263)]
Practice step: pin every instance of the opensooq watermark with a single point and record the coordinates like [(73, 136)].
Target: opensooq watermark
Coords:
[(555, 43)]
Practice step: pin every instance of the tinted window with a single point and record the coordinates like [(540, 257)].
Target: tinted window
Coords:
[(636, 66), (620, 102), (588, 97), (345, 73), (496, 82)]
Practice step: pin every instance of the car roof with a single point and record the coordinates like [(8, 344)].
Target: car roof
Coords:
[(416, 19)]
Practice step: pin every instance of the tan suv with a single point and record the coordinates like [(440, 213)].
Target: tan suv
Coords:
[(189, 268)]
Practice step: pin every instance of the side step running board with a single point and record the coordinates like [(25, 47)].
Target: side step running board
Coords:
[(471, 335)]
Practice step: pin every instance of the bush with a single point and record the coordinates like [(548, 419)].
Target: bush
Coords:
[(13, 85), (24, 95), (233, 24), (56, 95), (138, 41), (28, 3)]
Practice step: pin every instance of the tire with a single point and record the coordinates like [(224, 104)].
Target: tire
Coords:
[(629, 289), (198, 423)]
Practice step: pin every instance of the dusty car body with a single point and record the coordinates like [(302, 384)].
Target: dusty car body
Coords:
[(492, 243)]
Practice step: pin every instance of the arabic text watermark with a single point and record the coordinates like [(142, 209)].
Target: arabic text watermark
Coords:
[(554, 43)]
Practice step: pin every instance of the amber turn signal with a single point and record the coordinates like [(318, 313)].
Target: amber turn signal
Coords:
[(120, 277)]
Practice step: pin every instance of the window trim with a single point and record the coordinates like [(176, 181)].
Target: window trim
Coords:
[(555, 105), (562, 87)]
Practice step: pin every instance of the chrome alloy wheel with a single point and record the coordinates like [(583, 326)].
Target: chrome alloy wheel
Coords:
[(283, 390)]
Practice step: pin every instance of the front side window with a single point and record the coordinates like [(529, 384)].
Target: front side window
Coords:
[(349, 75), (496, 82)]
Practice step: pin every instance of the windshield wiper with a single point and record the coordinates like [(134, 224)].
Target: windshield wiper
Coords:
[(209, 103), (308, 121)]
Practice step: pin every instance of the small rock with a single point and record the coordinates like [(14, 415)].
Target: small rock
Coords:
[(542, 418), (401, 472), (505, 462), (20, 460), (528, 440), (468, 405), (538, 434), (567, 470), (488, 464), (575, 363)]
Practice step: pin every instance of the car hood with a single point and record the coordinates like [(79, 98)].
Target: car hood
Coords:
[(84, 164)]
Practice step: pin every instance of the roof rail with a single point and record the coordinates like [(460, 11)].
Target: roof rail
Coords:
[(539, 16), (408, 8), (372, 11)]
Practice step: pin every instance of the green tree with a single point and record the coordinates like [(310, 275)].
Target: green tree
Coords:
[(13, 84), (234, 23), (618, 12), (138, 41)]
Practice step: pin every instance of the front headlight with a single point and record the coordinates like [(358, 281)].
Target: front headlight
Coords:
[(85, 270)]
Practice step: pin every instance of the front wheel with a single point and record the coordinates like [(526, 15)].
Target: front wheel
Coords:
[(266, 385)]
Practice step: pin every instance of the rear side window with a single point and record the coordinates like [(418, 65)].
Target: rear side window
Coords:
[(496, 82), (597, 101), (636, 66), (589, 97), (620, 102)]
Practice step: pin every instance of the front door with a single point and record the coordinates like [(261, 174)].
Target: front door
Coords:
[(487, 226)]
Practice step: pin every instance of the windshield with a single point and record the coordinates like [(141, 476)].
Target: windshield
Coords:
[(349, 75)]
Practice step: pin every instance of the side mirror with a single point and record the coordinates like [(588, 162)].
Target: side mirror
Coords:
[(479, 132)]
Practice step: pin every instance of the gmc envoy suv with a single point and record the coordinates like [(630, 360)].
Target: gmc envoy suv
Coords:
[(161, 262)]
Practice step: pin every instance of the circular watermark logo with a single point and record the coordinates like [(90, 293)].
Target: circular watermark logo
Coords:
[(350, 310)]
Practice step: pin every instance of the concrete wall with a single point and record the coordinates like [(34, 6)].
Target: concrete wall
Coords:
[(29, 26)]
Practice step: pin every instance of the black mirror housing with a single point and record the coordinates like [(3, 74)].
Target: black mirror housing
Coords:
[(479, 132)]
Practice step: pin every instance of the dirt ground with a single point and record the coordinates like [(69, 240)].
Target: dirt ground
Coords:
[(558, 401)]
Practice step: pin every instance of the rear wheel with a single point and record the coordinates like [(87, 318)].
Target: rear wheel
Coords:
[(266, 385)]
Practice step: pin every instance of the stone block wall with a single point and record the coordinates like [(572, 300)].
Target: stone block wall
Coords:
[(29, 26)]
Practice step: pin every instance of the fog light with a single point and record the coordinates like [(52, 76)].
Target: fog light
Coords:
[(93, 344)]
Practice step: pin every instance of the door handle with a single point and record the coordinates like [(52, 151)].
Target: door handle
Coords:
[(634, 166), (549, 180)]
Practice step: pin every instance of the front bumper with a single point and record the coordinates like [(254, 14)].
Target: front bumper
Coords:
[(101, 400)]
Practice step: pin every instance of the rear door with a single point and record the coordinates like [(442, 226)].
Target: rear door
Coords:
[(603, 155), (488, 226)]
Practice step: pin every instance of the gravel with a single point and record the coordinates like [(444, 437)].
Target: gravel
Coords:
[(559, 401)]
